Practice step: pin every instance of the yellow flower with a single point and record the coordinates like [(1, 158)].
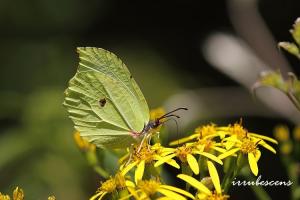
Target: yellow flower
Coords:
[(247, 146), (147, 189), (200, 132), (18, 194), (186, 153), (141, 156), (204, 193), (238, 131), (82, 143), (118, 182), (4, 197), (51, 198), (281, 133)]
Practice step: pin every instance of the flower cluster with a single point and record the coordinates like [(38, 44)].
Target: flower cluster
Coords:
[(196, 158), (18, 194)]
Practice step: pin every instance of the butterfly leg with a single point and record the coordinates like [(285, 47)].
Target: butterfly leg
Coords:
[(142, 143), (131, 151)]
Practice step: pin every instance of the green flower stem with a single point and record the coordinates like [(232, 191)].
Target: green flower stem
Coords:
[(99, 170), (202, 167), (123, 193), (94, 163), (226, 183), (115, 195), (185, 169), (234, 169), (150, 171), (293, 99)]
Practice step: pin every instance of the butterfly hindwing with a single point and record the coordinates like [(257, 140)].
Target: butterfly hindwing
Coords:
[(104, 101)]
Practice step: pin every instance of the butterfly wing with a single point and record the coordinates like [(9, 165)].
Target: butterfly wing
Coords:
[(104, 101)]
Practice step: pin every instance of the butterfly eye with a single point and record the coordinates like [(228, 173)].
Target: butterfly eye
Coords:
[(102, 102)]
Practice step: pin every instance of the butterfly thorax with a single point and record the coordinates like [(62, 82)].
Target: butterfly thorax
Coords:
[(152, 124)]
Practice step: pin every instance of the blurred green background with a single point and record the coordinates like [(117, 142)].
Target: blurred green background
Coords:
[(166, 47)]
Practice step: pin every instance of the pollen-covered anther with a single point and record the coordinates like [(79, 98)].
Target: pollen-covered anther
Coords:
[(120, 181), (108, 186), (248, 146), (149, 186), (216, 196), (238, 130), (205, 130), (182, 153), (145, 153)]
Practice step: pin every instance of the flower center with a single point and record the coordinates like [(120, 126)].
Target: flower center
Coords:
[(145, 154), (120, 181), (182, 152), (216, 196), (248, 146), (238, 130), (108, 186), (205, 130), (207, 143), (149, 186)]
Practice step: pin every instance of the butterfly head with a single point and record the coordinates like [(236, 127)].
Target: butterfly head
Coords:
[(153, 124)]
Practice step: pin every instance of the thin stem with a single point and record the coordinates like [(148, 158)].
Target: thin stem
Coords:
[(294, 100)]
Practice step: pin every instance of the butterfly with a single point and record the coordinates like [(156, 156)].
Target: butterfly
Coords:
[(106, 104)]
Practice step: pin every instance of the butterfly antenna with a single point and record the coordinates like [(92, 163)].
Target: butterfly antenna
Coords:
[(171, 115), (177, 130), (168, 113)]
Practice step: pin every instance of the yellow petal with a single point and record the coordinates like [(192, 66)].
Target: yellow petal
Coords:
[(173, 163), (257, 155), (128, 168), (202, 196), (229, 144), (96, 195), (178, 190), (214, 176), (228, 153), (219, 149), (103, 194), (164, 198), (263, 137), (139, 172), (183, 140), (133, 192), (129, 184), (193, 163), (162, 160), (170, 194), (253, 163), (126, 197), (264, 144), (212, 157), (195, 183)]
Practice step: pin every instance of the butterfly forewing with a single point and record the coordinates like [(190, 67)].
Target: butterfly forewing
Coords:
[(104, 101)]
